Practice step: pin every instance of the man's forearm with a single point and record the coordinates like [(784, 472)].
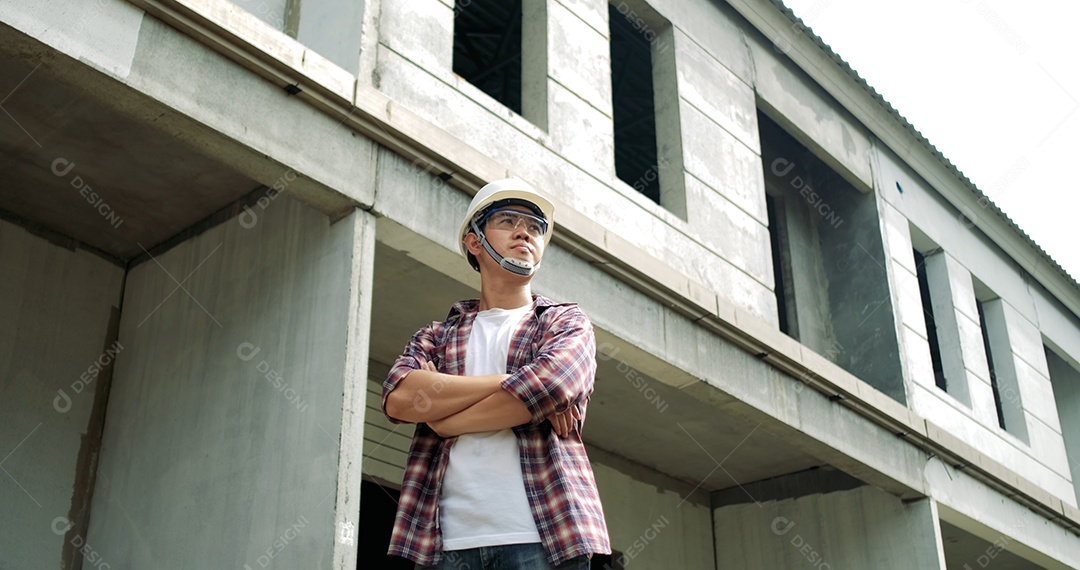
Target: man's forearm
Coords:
[(500, 410), (425, 395)]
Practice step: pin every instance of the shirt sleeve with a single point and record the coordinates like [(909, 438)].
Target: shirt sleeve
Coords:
[(420, 349), (563, 370)]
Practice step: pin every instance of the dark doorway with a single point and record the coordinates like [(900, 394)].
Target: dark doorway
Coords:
[(378, 505)]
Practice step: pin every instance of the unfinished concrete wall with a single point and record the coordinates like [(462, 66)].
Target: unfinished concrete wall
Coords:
[(225, 422), (858, 528), (835, 289), (653, 521), (720, 241), (859, 296), (721, 160), (59, 308), (987, 513), (800, 105), (1057, 324), (909, 202), (1066, 383), (273, 12), (333, 29)]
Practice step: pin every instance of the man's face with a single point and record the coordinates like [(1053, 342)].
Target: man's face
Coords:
[(512, 235)]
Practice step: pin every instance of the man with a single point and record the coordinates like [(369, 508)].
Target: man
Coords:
[(497, 476)]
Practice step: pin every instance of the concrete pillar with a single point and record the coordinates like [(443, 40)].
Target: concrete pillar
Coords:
[(1027, 393), (233, 431), (534, 61), (421, 31), (354, 397), (705, 88), (906, 300), (669, 141), (809, 282), (857, 528), (959, 335), (578, 88), (730, 218), (1005, 366)]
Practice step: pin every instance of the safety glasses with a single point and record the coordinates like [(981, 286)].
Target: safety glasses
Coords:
[(510, 220)]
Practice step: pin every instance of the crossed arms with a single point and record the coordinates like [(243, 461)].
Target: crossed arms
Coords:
[(463, 404), (547, 389)]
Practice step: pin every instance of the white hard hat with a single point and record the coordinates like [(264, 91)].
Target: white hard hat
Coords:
[(506, 189)]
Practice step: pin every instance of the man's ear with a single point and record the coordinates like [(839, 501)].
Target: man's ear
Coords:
[(472, 244)]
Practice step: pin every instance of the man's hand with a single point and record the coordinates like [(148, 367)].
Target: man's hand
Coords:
[(563, 423)]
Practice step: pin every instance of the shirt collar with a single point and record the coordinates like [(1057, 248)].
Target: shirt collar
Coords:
[(467, 306)]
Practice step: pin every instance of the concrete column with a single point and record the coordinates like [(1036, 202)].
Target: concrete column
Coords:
[(959, 335), (534, 61), (421, 31), (704, 85), (1005, 367), (669, 142), (578, 83), (858, 528), (809, 283), (906, 300), (354, 382), (233, 410), (1027, 393)]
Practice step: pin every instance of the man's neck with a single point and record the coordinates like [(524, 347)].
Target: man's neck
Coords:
[(504, 295)]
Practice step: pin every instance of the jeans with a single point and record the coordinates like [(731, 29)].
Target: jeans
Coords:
[(505, 557)]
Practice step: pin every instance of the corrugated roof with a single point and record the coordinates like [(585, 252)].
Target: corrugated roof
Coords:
[(979, 194)]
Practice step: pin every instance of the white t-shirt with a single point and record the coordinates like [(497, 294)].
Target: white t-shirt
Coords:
[(483, 500)]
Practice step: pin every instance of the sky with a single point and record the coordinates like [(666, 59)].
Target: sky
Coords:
[(993, 84)]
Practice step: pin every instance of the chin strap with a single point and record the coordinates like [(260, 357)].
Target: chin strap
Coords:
[(515, 266)]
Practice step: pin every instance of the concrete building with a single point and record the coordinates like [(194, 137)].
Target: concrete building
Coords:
[(820, 346)]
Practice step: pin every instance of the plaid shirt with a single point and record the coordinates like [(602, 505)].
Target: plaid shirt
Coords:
[(552, 366)]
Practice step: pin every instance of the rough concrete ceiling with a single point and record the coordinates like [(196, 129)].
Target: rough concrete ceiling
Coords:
[(965, 550), (630, 415), (58, 145)]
